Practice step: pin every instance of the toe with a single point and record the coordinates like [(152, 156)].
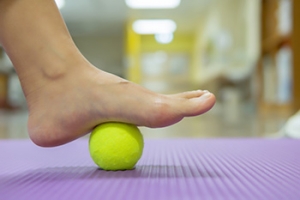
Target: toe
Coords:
[(199, 105), (190, 94)]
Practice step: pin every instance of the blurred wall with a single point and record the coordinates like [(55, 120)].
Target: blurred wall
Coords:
[(105, 52), (227, 37), (138, 45), (163, 68), (181, 43), (166, 67)]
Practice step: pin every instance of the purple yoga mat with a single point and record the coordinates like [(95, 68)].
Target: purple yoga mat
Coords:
[(180, 169)]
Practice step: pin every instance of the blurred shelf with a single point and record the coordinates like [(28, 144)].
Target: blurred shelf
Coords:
[(275, 42), (272, 41)]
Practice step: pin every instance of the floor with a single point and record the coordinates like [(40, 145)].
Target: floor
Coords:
[(221, 121)]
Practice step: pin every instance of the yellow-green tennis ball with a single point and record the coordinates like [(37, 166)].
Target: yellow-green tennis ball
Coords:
[(116, 146)]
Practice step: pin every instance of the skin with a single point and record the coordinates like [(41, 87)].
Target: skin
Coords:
[(66, 95)]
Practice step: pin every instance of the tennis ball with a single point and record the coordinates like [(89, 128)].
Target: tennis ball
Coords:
[(116, 146)]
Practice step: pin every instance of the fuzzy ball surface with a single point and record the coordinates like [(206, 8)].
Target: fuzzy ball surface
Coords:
[(116, 146)]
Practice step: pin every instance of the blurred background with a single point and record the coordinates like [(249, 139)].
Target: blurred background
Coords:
[(246, 52)]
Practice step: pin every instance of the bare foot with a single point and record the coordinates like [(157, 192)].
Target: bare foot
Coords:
[(67, 96), (69, 106)]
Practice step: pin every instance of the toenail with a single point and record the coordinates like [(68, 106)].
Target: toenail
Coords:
[(205, 96)]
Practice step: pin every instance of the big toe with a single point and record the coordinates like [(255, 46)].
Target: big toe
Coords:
[(190, 94), (198, 104)]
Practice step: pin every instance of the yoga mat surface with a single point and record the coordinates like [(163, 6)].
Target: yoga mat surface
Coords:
[(177, 169)]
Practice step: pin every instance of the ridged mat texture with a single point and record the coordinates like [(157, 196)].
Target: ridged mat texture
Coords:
[(182, 169)]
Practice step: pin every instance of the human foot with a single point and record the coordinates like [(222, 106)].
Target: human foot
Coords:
[(66, 96), (70, 106)]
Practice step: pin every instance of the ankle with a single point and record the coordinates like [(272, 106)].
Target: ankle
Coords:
[(60, 67), (52, 72)]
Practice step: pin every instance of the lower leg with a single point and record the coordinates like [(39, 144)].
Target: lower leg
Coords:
[(66, 95)]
